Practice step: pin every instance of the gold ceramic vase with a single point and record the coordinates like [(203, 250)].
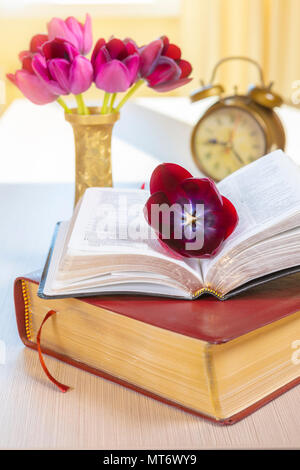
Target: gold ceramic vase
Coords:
[(92, 134)]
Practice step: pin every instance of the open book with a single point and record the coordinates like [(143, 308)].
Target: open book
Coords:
[(92, 254)]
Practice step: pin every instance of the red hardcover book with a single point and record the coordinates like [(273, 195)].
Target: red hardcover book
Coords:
[(219, 360)]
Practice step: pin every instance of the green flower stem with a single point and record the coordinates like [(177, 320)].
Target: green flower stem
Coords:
[(82, 109), (129, 94), (112, 101), (105, 103), (63, 105)]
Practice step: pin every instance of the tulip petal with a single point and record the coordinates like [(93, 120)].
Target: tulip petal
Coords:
[(165, 71), (59, 70), (23, 54), (53, 49), (171, 85), (57, 28), (32, 87), (27, 63), (131, 46), (112, 77), (202, 191), (83, 33), (87, 35), (230, 216), (149, 56), (76, 29), (185, 67), (59, 49), (37, 41), (173, 52), (158, 198), (81, 75), (166, 43), (12, 78), (99, 44), (132, 63), (116, 49), (39, 66), (166, 177), (158, 215)]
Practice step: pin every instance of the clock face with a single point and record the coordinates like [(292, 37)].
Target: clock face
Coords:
[(227, 139)]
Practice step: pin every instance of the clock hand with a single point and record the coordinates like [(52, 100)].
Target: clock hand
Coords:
[(236, 155), (235, 126), (229, 145), (215, 142)]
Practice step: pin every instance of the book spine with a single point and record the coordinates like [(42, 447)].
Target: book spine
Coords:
[(27, 311), (23, 310), (207, 290)]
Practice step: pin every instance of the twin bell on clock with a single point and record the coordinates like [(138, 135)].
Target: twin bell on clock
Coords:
[(237, 129)]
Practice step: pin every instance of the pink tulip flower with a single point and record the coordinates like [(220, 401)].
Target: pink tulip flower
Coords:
[(26, 80), (62, 69), (116, 64), (78, 34), (162, 66)]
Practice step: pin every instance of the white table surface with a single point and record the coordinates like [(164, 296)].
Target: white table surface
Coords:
[(36, 190)]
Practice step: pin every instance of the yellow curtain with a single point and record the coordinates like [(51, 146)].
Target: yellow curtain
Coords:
[(265, 30)]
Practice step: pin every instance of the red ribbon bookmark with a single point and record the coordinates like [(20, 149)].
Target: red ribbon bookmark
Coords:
[(63, 388)]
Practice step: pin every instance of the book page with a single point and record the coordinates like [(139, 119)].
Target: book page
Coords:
[(265, 194), (104, 220), (111, 221)]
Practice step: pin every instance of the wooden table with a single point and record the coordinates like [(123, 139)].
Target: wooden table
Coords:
[(96, 413)]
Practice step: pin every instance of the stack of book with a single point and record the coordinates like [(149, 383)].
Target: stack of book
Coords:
[(125, 311)]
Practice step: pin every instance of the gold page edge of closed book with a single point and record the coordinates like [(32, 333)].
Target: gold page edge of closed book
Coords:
[(212, 381), (225, 353)]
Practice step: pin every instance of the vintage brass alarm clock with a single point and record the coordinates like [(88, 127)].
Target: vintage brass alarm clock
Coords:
[(238, 129)]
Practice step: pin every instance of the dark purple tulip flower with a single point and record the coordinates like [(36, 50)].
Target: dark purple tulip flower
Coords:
[(200, 219)]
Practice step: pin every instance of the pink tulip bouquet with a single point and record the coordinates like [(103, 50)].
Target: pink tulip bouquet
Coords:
[(56, 65)]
